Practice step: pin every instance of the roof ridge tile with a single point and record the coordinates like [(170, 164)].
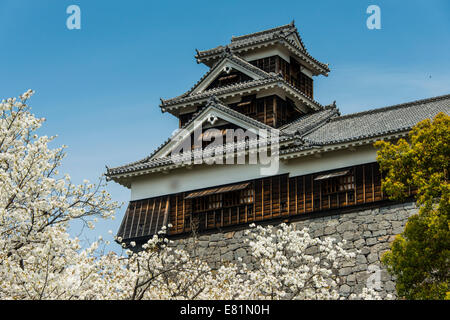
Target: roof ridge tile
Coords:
[(393, 107)]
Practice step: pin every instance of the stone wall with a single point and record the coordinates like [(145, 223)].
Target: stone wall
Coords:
[(368, 231)]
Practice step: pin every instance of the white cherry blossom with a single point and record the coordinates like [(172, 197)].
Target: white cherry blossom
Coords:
[(40, 260)]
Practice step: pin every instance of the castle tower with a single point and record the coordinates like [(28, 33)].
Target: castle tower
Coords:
[(260, 82)]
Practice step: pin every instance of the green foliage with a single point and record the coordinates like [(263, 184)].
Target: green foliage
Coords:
[(420, 256)]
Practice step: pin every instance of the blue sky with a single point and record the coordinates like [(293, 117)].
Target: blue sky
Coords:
[(99, 87)]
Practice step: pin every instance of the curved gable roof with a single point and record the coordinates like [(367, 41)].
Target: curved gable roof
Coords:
[(287, 35)]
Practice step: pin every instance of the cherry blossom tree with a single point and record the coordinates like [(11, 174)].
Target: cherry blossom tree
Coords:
[(36, 204), (286, 270), (40, 260), (282, 271)]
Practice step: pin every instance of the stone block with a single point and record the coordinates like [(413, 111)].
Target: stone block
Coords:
[(228, 256), (378, 233), (312, 250), (371, 241), (364, 212), (240, 253), (361, 277), (216, 237), (345, 271), (345, 289), (224, 250), (203, 243), (346, 226), (372, 257), (229, 235), (397, 230), (389, 286), (361, 259), (318, 233), (349, 235), (349, 263), (332, 223), (367, 234), (329, 230), (351, 279), (364, 250), (359, 243)]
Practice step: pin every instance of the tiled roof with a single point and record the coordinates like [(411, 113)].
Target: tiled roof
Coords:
[(237, 60), (378, 122), (250, 39), (213, 101), (226, 56), (326, 127), (270, 79), (285, 29), (150, 162), (224, 53), (279, 33), (309, 121), (164, 161), (214, 91)]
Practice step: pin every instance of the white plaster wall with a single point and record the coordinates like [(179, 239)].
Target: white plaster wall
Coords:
[(204, 176), (266, 52), (331, 160), (273, 51)]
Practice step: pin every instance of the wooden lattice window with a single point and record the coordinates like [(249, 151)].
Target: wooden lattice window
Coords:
[(347, 183), (215, 201), (285, 69), (226, 79), (306, 84), (223, 200), (267, 64), (184, 118), (250, 109), (247, 105), (207, 203), (260, 106), (231, 199), (199, 204), (335, 184), (246, 196)]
